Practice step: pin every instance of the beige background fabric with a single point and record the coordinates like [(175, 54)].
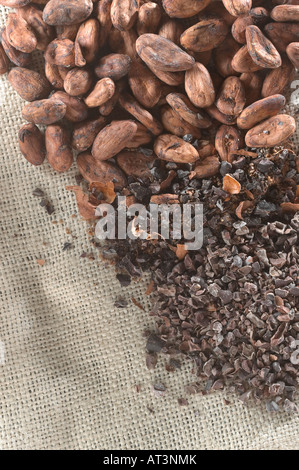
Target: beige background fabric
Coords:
[(72, 360)]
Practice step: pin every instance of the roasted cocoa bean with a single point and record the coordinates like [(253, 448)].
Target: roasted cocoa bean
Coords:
[(30, 85), (32, 144), (59, 152)]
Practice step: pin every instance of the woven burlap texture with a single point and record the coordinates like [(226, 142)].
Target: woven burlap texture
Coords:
[(70, 362)]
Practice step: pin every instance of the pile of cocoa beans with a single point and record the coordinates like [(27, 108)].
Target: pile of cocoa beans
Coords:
[(193, 80)]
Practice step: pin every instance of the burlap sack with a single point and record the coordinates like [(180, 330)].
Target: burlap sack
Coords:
[(69, 360)]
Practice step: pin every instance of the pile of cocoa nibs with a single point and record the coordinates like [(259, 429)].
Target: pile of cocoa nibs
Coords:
[(232, 306), (180, 102)]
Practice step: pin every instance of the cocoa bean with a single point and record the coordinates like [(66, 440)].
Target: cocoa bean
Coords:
[(61, 52), (237, 7), (88, 38), (281, 34), (76, 110), (19, 58), (135, 163), (124, 13), (78, 81), (19, 34), (67, 12), (277, 79), (149, 16), (53, 75), (199, 86), (4, 61), (114, 66), (102, 92), (242, 61), (285, 13), (85, 132), (293, 53), (184, 9), (205, 35), (144, 85), (173, 149), (187, 111), (43, 32), (159, 52), (94, 170), (112, 139), (32, 144), (231, 98), (261, 50), (260, 110), (227, 140), (132, 106), (173, 123)]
